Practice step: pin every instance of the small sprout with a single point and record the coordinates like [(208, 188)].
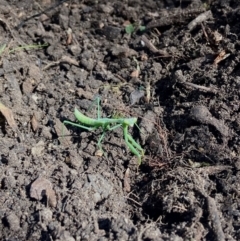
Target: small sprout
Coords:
[(142, 28), (28, 47), (131, 28), (138, 67), (2, 48), (136, 72)]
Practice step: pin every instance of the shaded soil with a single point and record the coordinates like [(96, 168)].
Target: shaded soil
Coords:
[(176, 70)]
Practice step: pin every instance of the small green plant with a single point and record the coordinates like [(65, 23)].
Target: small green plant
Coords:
[(131, 28), (2, 48), (27, 47), (24, 47), (108, 124)]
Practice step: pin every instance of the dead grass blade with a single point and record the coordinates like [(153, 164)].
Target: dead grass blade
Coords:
[(7, 113)]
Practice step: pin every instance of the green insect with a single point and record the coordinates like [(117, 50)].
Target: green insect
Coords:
[(108, 124)]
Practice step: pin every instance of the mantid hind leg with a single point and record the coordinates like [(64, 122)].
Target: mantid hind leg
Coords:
[(135, 144), (133, 150), (132, 144), (100, 140), (78, 125)]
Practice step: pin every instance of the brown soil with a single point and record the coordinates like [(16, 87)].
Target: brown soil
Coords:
[(177, 71)]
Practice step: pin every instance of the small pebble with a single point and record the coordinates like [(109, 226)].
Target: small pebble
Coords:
[(46, 215), (96, 197), (13, 222), (111, 33)]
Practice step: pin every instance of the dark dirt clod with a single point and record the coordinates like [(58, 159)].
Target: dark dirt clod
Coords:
[(179, 77), (203, 115)]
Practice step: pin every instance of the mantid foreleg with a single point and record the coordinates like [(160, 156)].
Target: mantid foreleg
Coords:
[(88, 129), (98, 108), (100, 140), (107, 128)]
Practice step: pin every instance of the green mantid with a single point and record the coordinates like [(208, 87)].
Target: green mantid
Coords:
[(108, 124)]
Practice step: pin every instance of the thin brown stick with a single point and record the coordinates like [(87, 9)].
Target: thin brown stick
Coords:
[(208, 89), (152, 48)]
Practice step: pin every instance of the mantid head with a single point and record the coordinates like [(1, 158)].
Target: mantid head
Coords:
[(130, 121)]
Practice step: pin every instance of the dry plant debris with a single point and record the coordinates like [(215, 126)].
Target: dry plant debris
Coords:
[(7, 113)]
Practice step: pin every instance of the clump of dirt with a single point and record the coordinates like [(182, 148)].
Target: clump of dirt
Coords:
[(173, 65)]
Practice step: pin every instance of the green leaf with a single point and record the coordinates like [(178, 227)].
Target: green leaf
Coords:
[(2, 48), (129, 29), (142, 28)]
